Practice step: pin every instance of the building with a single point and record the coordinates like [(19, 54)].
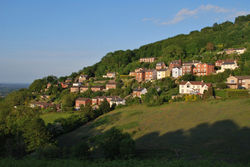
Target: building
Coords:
[(228, 64), (94, 101), (117, 101), (140, 69), (218, 63), (111, 85), (176, 72), (77, 84), (203, 69), (83, 89), (238, 82), (193, 87), (139, 91), (163, 73), (132, 74), (97, 88), (83, 78), (175, 63), (235, 51), (109, 75), (147, 59), (42, 105), (150, 74), (140, 76), (82, 101), (68, 80), (74, 89), (187, 68), (160, 66), (64, 85)]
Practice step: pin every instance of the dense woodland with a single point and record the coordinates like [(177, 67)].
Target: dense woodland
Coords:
[(22, 131)]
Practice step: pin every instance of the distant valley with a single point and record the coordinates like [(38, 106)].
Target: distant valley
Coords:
[(6, 88)]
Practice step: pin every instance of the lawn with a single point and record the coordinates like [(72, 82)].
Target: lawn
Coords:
[(206, 128), (51, 117)]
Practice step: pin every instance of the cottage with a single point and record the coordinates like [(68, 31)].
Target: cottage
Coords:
[(117, 101), (74, 89), (83, 78), (160, 66), (83, 89), (193, 87), (176, 72), (228, 64), (97, 88), (147, 59), (163, 73), (150, 74), (238, 82), (111, 85), (139, 91), (82, 101), (203, 69)]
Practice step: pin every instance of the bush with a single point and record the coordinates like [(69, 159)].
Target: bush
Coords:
[(81, 150), (116, 144), (48, 152)]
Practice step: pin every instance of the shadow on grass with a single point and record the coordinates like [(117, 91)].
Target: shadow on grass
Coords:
[(222, 140)]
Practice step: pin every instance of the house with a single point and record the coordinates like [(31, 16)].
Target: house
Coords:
[(49, 85), (139, 91), (175, 63), (111, 85), (140, 69), (150, 74), (176, 72), (64, 85), (74, 89), (140, 76), (147, 59), (109, 75), (117, 101), (202, 69), (95, 101), (82, 101), (228, 64), (238, 82), (218, 63), (77, 84), (97, 88), (160, 66), (235, 51), (187, 68), (132, 74), (83, 89), (101, 99), (83, 78), (193, 87), (163, 73), (68, 80)]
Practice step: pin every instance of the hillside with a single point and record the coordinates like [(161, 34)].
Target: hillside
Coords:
[(198, 128), (193, 46)]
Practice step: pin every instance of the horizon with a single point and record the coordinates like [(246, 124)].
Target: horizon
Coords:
[(57, 38)]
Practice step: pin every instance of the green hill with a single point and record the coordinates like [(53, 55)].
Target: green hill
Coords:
[(196, 128), (197, 45)]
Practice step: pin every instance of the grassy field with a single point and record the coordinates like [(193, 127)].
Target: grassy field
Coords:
[(51, 117), (116, 163), (206, 128)]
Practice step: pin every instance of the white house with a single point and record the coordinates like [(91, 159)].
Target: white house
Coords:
[(176, 72), (231, 65), (117, 101), (193, 87), (77, 84)]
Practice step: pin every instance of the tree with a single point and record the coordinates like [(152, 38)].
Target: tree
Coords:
[(210, 46), (104, 107)]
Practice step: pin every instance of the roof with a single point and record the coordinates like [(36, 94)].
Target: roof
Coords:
[(139, 89), (160, 63), (196, 83), (242, 77), (228, 63), (150, 70), (82, 99)]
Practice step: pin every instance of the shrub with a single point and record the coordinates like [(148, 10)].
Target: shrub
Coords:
[(80, 150)]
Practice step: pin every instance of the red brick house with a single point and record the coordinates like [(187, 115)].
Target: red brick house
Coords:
[(82, 101), (95, 101), (97, 88), (147, 59), (160, 66), (187, 68), (203, 69), (175, 63), (140, 76), (83, 89), (150, 74), (74, 89)]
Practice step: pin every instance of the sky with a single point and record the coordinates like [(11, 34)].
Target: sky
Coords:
[(57, 37)]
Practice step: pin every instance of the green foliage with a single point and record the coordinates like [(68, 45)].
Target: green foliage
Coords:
[(80, 150), (221, 85), (187, 77), (152, 97), (68, 101), (104, 107), (116, 144)]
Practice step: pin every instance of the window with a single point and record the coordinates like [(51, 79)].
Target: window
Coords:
[(188, 85)]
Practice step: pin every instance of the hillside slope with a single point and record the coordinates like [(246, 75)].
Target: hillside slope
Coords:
[(216, 127)]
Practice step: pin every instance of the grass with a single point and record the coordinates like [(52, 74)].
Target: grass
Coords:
[(51, 117), (115, 163), (198, 129)]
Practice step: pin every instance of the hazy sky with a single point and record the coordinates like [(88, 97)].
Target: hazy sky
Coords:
[(57, 37)]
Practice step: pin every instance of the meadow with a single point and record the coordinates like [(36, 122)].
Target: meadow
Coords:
[(52, 116)]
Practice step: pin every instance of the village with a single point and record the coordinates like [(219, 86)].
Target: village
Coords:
[(175, 70)]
